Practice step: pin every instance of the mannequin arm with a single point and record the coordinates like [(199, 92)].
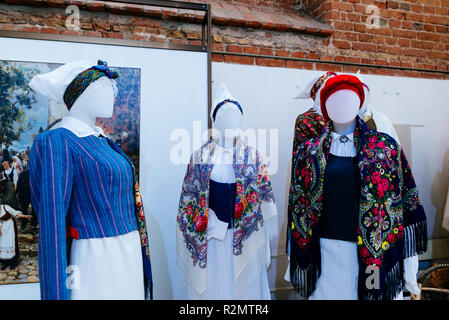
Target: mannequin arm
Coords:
[(51, 176)]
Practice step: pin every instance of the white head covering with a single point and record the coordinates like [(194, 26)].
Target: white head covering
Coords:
[(364, 110), (53, 84), (222, 94), (305, 93)]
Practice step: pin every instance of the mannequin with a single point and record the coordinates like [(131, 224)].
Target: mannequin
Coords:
[(237, 261), (107, 255), (338, 206)]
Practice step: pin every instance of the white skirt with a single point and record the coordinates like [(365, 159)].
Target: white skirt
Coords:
[(8, 240), (252, 284), (339, 272), (107, 268)]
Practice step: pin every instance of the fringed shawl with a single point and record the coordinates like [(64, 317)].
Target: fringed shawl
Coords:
[(392, 222), (254, 210)]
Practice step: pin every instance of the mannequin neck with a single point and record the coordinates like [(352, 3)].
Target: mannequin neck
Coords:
[(345, 128), (84, 117), (226, 142)]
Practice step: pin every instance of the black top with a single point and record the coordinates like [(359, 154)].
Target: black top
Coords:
[(341, 197), (222, 200), (9, 176)]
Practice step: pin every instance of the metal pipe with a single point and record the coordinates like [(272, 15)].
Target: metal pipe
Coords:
[(166, 4), (329, 62), (209, 65)]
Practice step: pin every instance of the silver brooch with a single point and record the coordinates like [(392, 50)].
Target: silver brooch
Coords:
[(344, 139)]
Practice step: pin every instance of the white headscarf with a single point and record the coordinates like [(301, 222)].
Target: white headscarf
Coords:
[(306, 93), (53, 84)]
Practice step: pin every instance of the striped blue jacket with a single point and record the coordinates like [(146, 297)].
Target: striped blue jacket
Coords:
[(79, 182)]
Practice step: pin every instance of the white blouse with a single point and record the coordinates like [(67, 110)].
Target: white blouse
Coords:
[(15, 176)]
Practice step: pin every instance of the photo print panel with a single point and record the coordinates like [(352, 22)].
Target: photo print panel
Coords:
[(23, 115)]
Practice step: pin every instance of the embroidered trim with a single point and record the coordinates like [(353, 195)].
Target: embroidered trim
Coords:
[(317, 85)]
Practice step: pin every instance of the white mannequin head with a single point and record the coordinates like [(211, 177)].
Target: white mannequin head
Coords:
[(97, 101), (228, 117), (342, 106)]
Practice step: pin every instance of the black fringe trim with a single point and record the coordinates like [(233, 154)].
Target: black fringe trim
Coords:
[(394, 284), (415, 239), (304, 280), (148, 290)]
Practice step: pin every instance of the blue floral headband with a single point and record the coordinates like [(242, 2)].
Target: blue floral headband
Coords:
[(222, 103), (84, 79)]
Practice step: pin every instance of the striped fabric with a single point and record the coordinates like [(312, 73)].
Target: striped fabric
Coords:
[(79, 181)]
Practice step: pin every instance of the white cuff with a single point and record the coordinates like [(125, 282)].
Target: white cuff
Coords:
[(410, 273), (287, 273), (216, 229)]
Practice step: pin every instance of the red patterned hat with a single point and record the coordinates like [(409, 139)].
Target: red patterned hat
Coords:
[(341, 82)]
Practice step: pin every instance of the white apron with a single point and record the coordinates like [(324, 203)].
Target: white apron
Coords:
[(8, 235)]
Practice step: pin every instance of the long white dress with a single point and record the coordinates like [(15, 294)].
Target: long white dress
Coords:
[(8, 235), (104, 268), (339, 262), (252, 283)]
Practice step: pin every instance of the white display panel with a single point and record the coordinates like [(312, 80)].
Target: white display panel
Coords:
[(418, 108), (173, 95)]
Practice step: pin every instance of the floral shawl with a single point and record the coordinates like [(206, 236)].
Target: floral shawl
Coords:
[(309, 124), (254, 207), (392, 222)]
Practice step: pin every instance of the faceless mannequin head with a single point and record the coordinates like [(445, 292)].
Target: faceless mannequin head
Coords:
[(97, 101), (227, 120), (64, 84), (343, 106), (226, 117)]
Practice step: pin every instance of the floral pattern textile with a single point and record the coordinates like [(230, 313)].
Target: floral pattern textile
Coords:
[(309, 124), (392, 222), (253, 186)]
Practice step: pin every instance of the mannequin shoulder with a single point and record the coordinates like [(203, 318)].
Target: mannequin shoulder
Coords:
[(54, 136), (310, 116)]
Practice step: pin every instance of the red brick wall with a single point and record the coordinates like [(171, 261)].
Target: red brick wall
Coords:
[(309, 34), (412, 33)]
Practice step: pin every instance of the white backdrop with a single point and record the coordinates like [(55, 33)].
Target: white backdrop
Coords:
[(174, 94), (418, 108)]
